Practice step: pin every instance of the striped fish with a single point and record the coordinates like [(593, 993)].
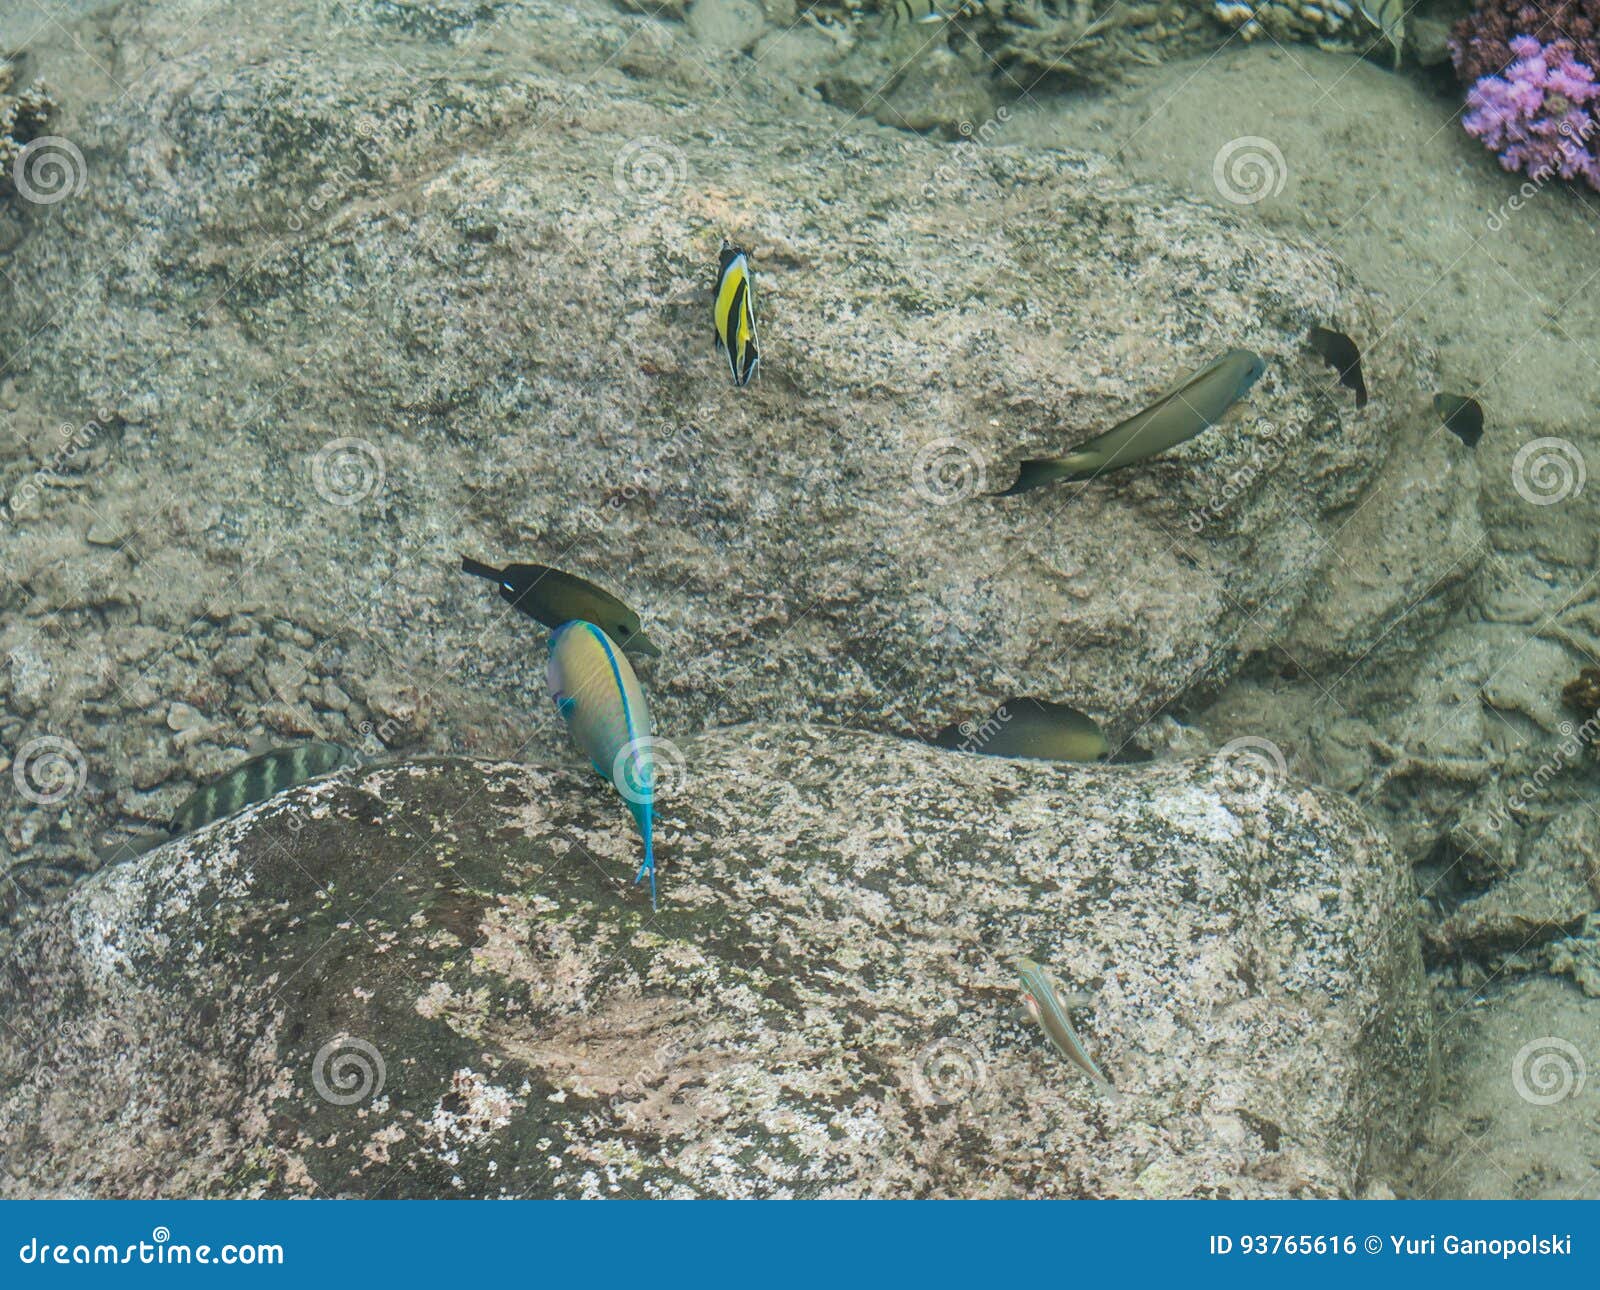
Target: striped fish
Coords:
[(258, 779), (1389, 17), (733, 313), (1048, 1008), (603, 704)]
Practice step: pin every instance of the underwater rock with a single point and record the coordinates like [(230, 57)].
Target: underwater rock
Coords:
[(24, 114), (938, 93), (726, 25), (410, 369), (434, 979), (1549, 894)]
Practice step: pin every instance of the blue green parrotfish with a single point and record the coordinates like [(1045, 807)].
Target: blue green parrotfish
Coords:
[(603, 704), (1196, 402)]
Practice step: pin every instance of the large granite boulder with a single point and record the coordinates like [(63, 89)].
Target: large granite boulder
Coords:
[(432, 979)]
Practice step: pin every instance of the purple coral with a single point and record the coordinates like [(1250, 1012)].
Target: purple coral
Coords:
[(1536, 113)]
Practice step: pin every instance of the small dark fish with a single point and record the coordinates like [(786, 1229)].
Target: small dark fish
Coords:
[(258, 779), (1340, 353), (900, 12), (1032, 728), (1462, 416), (1181, 412), (553, 598), (116, 850), (733, 313)]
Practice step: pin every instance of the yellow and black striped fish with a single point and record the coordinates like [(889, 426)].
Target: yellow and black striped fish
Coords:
[(734, 314)]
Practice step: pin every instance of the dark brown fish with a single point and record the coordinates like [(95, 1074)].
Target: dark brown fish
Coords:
[(554, 598), (1340, 353), (1462, 416), (1034, 728)]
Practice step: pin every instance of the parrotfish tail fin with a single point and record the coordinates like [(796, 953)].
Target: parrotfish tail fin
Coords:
[(478, 569), (649, 864)]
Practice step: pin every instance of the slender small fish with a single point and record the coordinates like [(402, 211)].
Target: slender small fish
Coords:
[(1049, 1009), (603, 704), (1033, 728), (1182, 412), (258, 779), (553, 597), (1339, 352), (1462, 416), (733, 313), (1389, 17)]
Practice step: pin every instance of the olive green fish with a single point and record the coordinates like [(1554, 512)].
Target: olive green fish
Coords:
[(1047, 1006), (1198, 401), (1033, 728), (1389, 17), (554, 597)]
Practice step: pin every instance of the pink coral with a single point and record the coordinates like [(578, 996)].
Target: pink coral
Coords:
[(1537, 112)]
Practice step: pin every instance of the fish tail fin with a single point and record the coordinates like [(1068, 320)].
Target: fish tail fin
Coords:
[(478, 569), (1039, 471), (649, 864)]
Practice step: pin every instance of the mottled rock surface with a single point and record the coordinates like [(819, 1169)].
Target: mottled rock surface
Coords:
[(432, 979), (426, 279)]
